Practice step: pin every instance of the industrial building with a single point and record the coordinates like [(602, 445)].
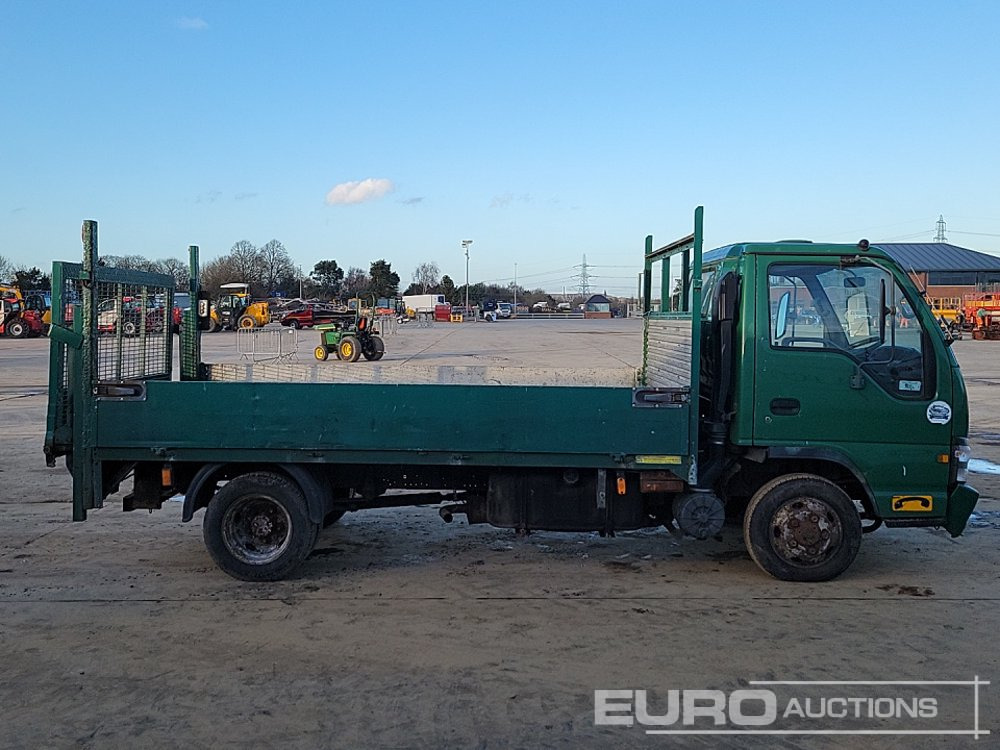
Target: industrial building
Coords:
[(946, 270)]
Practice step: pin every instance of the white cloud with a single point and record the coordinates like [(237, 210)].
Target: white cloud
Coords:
[(359, 192), (192, 24)]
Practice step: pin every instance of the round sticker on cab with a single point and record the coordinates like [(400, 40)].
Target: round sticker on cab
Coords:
[(939, 412)]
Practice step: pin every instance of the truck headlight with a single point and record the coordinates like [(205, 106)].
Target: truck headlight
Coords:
[(962, 454)]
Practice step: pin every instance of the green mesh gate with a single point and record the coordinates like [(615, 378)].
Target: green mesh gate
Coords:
[(112, 330)]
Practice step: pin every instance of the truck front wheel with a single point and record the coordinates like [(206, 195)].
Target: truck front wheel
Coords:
[(802, 527), (257, 527)]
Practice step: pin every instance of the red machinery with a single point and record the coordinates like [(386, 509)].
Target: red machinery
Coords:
[(15, 320)]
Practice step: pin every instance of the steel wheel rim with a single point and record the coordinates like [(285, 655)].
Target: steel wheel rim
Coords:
[(256, 529), (806, 531)]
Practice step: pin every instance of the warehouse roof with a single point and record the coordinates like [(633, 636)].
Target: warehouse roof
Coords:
[(938, 256)]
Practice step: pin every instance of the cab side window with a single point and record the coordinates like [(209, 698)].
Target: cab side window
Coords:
[(858, 311)]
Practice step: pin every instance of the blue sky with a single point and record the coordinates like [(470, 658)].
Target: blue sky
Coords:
[(543, 131)]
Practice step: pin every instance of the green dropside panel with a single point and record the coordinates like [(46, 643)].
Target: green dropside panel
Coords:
[(429, 424)]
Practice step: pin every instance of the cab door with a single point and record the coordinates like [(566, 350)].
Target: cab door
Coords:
[(845, 368)]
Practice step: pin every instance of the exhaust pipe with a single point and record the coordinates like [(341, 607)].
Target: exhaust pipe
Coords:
[(447, 511)]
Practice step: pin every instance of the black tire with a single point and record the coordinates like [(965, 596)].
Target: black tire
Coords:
[(212, 325), (257, 527), (295, 324), (802, 527), (321, 353), (349, 349), (375, 350), (129, 328), (17, 329)]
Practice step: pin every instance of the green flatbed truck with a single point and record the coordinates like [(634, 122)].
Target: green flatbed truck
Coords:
[(777, 387)]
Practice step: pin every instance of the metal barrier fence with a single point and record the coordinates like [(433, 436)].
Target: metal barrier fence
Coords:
[(388, 325), (261, 344)]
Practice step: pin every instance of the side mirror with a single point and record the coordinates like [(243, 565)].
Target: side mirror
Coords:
[(781, 323)]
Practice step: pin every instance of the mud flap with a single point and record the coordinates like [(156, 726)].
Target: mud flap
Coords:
[(961, 502)]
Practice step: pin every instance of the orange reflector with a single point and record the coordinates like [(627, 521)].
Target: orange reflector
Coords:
[(167, 476), (943, 458), (621, 485)]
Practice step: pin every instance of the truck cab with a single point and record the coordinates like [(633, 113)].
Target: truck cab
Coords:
[(818, 357)]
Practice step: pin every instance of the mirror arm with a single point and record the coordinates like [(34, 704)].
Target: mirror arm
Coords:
[(881, 318)]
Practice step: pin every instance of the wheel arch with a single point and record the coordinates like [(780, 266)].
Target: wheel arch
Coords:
[(318, 495), (823, 462)]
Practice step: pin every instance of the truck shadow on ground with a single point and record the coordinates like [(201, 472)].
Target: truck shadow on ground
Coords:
[(373, 543)]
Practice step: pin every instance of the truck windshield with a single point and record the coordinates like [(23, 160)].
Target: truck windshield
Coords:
[(827, 306)]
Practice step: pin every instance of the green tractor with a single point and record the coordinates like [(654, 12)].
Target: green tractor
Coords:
[(350, 338)]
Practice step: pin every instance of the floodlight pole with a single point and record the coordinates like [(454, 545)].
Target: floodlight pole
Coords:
[(465, 246)]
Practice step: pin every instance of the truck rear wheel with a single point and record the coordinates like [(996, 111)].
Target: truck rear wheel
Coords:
[(802, 527), (257, 527)]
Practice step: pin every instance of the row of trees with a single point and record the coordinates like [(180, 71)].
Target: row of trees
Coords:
[(23, 277), (270, 271), (170, 266), (329, 281)]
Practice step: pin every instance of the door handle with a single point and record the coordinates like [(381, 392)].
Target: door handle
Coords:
[(785, 407)]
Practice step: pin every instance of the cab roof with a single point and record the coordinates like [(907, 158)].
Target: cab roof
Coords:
[(791, 247)]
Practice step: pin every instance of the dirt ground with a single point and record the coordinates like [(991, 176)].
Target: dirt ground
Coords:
[(402, 631)]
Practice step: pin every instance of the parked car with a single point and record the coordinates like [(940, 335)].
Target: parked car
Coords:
[(182, 303), (312, 314), (128, 312)]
